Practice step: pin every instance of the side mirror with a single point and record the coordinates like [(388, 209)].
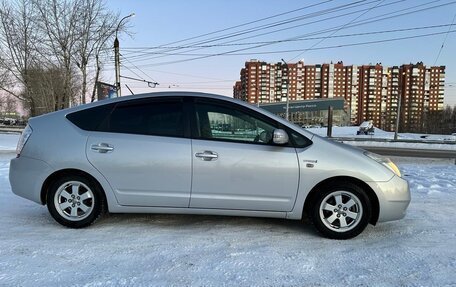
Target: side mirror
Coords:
[(280, 137)]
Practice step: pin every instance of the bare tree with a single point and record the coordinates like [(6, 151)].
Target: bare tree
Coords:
[(440, 122), (58, 19), (47, 85), (96, 26), (45, 40), (18, 45), (8, 105)]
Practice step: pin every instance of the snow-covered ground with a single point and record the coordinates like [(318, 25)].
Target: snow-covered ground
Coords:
[(8, 142), (350, 132), (184, 250)]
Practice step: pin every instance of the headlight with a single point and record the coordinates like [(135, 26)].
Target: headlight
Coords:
[(385, 162), (23, 139)]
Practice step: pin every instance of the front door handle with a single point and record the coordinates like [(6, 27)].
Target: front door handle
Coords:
[(207, 155), (102, 147)]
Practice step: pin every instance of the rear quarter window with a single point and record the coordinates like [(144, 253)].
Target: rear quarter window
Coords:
[(90, 119)]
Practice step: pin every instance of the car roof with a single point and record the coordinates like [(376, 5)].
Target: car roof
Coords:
[(156, 94), (167, 94), (182, 94)]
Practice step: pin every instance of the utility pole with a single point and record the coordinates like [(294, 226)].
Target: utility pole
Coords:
[(398, 116), (117, 54), (288, 102), (330, 122), (117, 64)]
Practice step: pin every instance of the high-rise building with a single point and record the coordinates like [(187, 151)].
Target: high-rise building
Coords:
[(371, 92)]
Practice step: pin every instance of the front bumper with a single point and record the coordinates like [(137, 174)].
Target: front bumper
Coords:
[(393, 197), (27, 176)]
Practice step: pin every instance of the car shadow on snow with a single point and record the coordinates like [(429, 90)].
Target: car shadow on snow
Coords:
[(202, 222), (189, 224)]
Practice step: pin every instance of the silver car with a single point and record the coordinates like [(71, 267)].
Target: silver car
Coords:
[(195, 153)]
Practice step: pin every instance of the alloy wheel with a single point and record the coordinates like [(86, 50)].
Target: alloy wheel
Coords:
[(341, 211), (74, 200)]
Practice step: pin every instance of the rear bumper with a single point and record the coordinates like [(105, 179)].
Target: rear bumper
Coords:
[(27, 176), (394, 198)]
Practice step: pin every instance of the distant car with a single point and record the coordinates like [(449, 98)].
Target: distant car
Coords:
[(366, 128), (9, 121), (163, 153)]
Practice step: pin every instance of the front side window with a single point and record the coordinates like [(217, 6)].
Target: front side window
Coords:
[(159, 118), (223, 123)]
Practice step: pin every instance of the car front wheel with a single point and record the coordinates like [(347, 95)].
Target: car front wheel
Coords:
[(341, 211), (74, 201)]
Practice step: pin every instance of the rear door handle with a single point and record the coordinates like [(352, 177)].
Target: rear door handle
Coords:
[(102, 147), (207, 155)]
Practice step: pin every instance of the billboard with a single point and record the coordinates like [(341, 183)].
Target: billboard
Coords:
[(106, 91), (305, 105)]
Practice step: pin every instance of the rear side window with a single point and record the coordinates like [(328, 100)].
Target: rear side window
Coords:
[(90, 119), (160, 118)]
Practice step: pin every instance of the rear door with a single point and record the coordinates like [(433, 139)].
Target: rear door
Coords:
[(144, 151)]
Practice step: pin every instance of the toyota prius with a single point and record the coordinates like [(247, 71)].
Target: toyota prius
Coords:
[(196, 153)]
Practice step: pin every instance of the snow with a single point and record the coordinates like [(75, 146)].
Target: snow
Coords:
[(350, 132), (399, 145), (8, 142), (184, 250)]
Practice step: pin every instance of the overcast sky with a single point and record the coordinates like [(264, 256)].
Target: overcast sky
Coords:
[(164, 23)]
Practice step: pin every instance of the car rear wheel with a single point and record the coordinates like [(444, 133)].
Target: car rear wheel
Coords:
[(74, 201), (341, 211)]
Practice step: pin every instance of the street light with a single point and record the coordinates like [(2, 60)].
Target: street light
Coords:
[(117, 54)]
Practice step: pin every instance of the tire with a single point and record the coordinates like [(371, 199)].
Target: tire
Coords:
[(341, 211), (75, 201)]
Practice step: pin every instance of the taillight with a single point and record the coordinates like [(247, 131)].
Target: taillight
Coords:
[(26, 133)]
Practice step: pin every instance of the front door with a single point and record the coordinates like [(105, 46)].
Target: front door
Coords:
[(235, 163)]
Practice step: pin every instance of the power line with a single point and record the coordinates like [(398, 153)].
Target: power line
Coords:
[(136, 74), (355, 24), (283, 22), (343, 26), (193, 83), (147, 55), (149, 83), (273, 24), (181, 74), (249, 23), (147, 76), (444, 40), (188, 75), (337, 27), (303, 39), (246, 24), (164, 87), (325, 19), (323, 48)]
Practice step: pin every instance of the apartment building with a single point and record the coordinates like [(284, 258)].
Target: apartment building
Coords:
[(371, 92)]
